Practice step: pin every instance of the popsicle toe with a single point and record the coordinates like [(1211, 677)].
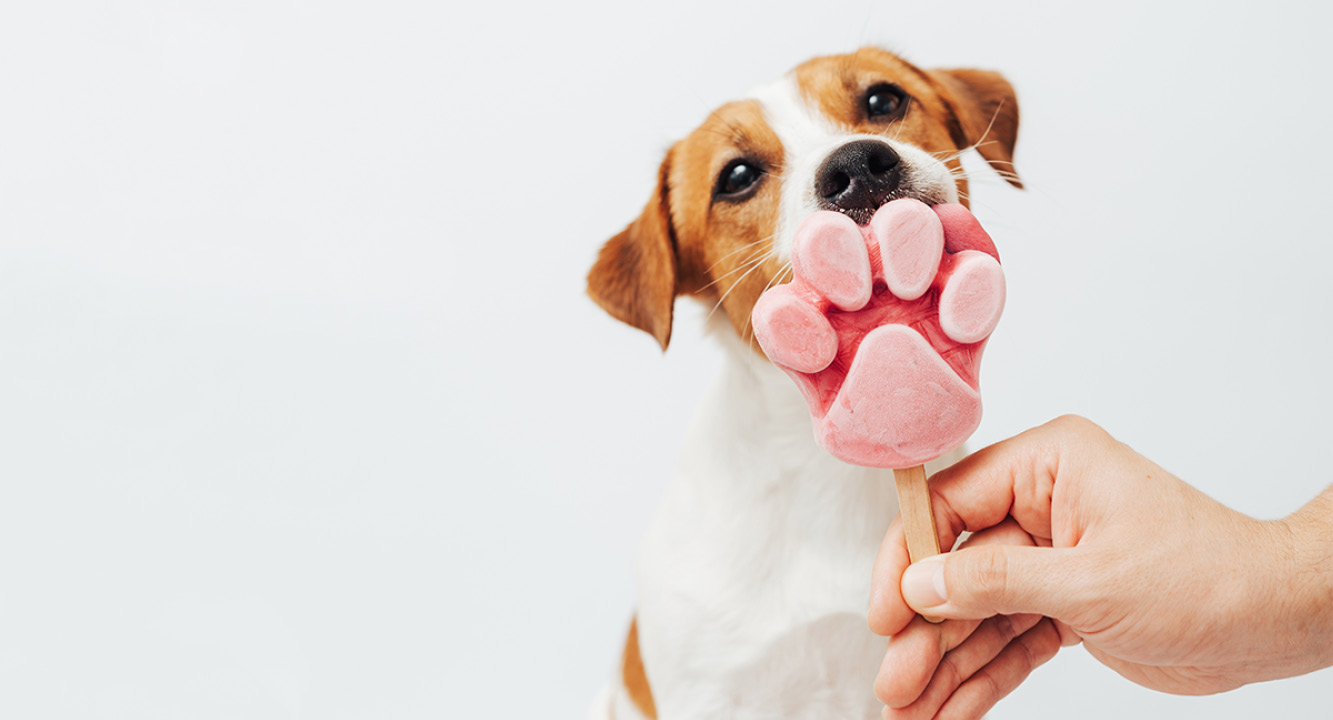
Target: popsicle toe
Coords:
[(883, 327)]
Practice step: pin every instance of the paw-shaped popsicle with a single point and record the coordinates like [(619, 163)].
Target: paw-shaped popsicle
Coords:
[(882, 327)]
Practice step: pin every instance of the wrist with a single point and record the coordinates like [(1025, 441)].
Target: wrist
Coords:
[(1308, 534)]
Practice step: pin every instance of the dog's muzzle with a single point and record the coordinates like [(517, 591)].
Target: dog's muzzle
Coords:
[(857, 178)]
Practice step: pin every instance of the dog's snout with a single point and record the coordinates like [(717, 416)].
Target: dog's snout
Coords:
[(857, 178)]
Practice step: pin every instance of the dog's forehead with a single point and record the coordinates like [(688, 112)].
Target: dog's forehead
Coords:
[(819, 99), (850, 66), (832, 86), (738, 124), (797, 122), (803, 108)]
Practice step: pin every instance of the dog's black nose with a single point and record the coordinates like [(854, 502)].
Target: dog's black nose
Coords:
[(857, 178)]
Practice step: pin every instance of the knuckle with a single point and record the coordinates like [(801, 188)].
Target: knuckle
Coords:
[(951, 674), (1048, 642), (1075, 439), (1097, 580), (1039, 645), (987, 576), (1075, 424), (991, 689), (1005, 627), (1027, 658)]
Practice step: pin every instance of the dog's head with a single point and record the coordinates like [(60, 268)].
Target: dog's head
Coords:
[(845, 133)]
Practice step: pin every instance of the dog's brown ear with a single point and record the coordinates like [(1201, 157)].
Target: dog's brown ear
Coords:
[(985, 114), (634, 278)]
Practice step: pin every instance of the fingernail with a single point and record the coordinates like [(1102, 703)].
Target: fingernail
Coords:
[(923, 583)]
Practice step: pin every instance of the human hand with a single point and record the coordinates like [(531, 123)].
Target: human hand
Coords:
[(1077, 538)]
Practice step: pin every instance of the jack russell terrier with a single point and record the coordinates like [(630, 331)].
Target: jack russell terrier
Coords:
[(754, 577)]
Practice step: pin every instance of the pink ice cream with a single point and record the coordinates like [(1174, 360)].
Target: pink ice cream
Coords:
[(882, 328)]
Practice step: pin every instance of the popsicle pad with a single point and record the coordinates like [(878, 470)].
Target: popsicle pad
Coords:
[(883, 326)]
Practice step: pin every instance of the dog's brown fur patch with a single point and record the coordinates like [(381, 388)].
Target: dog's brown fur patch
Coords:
[(633, 676)]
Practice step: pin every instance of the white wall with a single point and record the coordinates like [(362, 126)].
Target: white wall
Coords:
[(302, 411)]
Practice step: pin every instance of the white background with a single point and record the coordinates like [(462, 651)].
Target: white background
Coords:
[(302, 410)]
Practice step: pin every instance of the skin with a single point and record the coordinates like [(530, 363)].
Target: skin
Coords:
[(1077, 538)]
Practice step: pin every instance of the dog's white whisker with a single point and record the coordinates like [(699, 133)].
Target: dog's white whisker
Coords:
[(757, 247), (989, 125), (778, 274), (902, 122), (747, 265), (775, 280), (758, 258), (737, 282), (737, 250)]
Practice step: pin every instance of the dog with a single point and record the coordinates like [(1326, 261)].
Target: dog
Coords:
[(754, 576)]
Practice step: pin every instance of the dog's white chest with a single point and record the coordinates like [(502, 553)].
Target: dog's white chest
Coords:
[(755, 576)]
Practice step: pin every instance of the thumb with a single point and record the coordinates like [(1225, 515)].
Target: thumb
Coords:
[(978, 582)]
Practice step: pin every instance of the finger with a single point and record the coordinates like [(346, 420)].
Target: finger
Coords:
[(1068, 637), (984, 645), (978, 582), (1013, 477), (1004, 674), (914, 654), (889, 613), (912, 658)]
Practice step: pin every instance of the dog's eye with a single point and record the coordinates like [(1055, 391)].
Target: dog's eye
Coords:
[(737, 177), (884, 100)]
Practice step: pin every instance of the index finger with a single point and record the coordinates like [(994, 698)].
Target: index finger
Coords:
[(1012, 478)]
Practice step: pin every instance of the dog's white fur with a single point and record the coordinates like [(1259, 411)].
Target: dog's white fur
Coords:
[(754, 578)]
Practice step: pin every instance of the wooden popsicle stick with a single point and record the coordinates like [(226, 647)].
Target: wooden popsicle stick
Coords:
[(917, 514)]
